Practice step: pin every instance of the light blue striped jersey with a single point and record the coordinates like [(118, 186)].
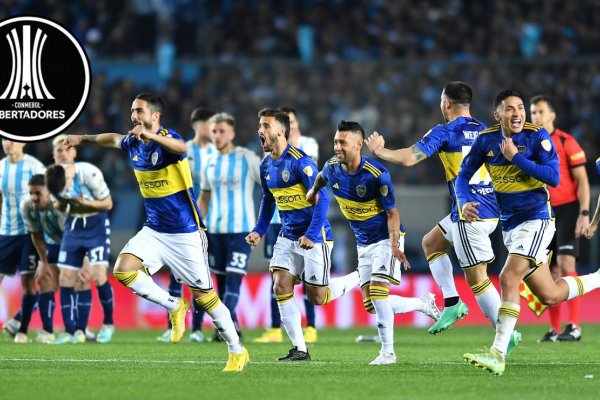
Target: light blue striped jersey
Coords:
[(311, 147), (88, 182), (48, 220), (231, 179), (14, 187), (197, 158)]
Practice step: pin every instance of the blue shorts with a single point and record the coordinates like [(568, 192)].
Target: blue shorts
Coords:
[(270, 239), (17, 254), (52, 251), (85, 236), (228, 252)]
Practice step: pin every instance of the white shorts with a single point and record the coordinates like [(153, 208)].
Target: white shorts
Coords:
[(530, 240), (184, 253), (310, 265), (377, 263), (471, 240)]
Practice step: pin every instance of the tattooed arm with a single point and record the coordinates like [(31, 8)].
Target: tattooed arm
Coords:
[(407, 157)]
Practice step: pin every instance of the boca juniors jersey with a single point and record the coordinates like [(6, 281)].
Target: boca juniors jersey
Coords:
[(364, 197), (165, 183), (453, 141)]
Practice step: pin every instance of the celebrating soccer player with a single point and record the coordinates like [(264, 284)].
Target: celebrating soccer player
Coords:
[(521, 160), (173, 233), (365, 193), (301, 251)]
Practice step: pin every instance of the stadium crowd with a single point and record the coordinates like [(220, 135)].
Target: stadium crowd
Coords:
[(401, 54)]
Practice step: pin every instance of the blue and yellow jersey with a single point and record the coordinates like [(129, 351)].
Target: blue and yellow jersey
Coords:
[(364, 197), (284, 185), (452, 141), (165, 182), (519, 185)]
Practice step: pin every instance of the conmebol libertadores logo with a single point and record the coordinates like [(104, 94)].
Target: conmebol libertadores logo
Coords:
[(44, 78)]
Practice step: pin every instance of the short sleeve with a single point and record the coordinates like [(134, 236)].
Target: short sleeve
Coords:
[(433, 141), (574, 152)]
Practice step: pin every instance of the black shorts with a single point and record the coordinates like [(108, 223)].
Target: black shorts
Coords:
[(564, 242)]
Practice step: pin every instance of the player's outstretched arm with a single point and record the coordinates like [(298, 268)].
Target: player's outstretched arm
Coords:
[(406, 157), (108, 140)]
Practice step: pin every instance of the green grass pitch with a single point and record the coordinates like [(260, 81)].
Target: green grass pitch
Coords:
[(135, 366)]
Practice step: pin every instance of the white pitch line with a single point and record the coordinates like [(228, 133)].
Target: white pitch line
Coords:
[(207, 362)]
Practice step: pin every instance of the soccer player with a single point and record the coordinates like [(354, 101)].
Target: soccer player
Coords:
[(301, 252), (273, 335), (471, 242), (521, 160), (228, 183), (173, 233), (198, 150), (80, 187), (365, 193), (16, 248), (570, 201), (45, 223)]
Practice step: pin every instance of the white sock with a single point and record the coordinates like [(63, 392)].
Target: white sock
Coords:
[(488, 298), (401, 305), (291, 319), (144, 286), (343, 284), (221, 317), (580, 285), (441, 269), (507, 320), (384, 316)]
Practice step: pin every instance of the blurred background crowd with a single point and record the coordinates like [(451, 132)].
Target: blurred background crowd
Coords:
[(381, 63)]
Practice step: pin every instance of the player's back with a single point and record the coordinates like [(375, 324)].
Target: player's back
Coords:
[(48, 221), (14, 179), (452, 142), (88, 182)]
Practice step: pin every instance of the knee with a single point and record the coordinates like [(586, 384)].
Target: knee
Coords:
[(428, 244), (476, 274), (317, 297), (28, 283), (549, 299), (280, 288)]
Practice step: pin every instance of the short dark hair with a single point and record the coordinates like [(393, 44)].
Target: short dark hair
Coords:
[(503, 95), (288, 109), (459, 92), (201, 114), (542, 97), (55, 179), (351, 126), (37, 180), (155, 103), (279, 115)]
